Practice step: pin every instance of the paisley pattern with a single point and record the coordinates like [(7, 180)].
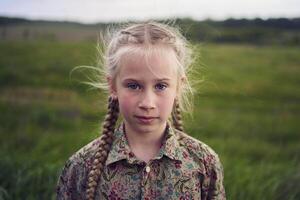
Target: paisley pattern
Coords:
[(184, 168)]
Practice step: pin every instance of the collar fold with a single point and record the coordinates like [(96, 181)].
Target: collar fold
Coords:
[(121, 151)]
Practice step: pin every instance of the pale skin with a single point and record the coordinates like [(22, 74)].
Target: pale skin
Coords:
[(146, 90)]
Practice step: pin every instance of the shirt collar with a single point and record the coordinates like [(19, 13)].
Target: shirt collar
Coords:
[(120, 148)]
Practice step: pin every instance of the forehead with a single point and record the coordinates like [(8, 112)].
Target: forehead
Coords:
[(148, 63)]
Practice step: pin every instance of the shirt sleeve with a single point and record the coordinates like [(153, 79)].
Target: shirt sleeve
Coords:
[(216, 190), (70, 183)]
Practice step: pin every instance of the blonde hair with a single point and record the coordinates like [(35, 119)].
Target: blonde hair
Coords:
[(148, 34)]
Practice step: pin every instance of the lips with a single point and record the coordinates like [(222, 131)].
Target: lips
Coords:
[(145, 119)]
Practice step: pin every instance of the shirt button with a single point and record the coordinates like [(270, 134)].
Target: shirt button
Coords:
[(148, 169)]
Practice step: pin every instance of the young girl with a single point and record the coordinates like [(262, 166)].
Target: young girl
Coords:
[(145, 156)]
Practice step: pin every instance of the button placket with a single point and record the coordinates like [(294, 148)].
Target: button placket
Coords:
[(146, 172), (147, 169)]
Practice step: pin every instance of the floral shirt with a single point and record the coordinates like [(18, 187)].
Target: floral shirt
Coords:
[(184, 168)]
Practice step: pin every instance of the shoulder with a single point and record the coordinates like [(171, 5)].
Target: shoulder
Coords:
[(83, 157), (73, 176), (198, 150), (209, 163), (85, 154)]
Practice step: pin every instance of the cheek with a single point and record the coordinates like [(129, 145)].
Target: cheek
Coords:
[(166, 103), (126, 103)]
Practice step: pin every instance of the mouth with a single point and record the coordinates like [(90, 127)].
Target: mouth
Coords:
[(145, 119)]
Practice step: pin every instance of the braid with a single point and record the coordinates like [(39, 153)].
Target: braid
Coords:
[(176, 116), (103, 148)]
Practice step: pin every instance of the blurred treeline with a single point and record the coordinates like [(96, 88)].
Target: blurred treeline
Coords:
[(276, 31)]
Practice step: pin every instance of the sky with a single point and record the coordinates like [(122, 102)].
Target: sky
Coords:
[(92, 11)]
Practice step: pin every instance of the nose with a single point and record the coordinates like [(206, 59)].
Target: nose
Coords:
[(147, 101)]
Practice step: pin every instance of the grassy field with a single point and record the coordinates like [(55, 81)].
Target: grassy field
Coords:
[(247, 109)]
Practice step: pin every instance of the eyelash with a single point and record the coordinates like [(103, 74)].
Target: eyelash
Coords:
[(133, 86), (160, 85), (136, 86)]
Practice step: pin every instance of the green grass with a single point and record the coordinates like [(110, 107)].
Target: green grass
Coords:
[(247, 109)]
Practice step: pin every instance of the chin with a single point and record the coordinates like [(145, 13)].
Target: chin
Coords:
[(145, 129)]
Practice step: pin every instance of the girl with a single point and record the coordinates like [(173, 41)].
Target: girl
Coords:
[(145, 156)]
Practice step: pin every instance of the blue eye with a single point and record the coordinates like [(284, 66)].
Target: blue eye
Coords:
[(133, 86), (160, 86)]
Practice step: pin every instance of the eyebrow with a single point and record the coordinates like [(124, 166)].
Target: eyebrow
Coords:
[(163, 79), (156, 80)]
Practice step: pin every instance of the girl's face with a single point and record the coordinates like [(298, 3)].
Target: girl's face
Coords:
[(146, 89)]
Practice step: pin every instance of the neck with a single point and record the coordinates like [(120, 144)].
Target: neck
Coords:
[(144, 138), (145, 145)]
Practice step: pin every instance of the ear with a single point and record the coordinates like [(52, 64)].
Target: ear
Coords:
[(181, 81), (112, 86)]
